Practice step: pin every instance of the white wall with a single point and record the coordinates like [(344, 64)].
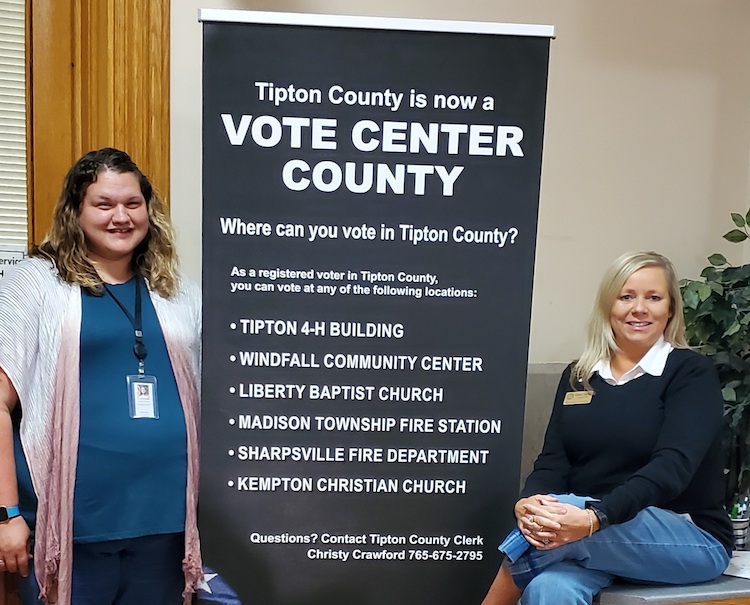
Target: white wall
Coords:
[(647, 141)]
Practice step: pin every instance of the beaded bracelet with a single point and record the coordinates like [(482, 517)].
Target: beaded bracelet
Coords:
[(591, 521)]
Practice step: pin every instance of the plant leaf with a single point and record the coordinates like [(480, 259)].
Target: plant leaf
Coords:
[(709, 273), (733, 329), (704, 291), (735, 236), (690, 297), (743, 272), (717, 260), (729, 394), (738, 219)]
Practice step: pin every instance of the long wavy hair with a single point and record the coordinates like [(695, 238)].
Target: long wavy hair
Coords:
[(154, 258), (600, 343)]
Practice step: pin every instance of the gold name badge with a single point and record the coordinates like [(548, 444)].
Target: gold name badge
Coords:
[(578, 398)]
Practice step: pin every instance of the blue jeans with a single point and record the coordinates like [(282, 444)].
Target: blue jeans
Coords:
[(137, 571), (657, 546)]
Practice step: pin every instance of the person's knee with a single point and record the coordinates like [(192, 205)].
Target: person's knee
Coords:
[(705, 564), (553, 587)]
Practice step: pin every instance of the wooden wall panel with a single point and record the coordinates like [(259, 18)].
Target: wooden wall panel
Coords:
[(99, 76), (50, 140)]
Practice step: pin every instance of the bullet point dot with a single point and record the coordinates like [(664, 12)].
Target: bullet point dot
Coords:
[(231, 452), (230, 483), (233, 326), (231, 421), (232, 390), (232, 358)]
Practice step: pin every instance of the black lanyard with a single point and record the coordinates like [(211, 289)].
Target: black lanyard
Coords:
[(139, 348)]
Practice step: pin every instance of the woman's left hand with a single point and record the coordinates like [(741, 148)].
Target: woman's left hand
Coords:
[(547, 527)]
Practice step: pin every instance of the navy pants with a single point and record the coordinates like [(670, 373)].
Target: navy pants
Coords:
[(136, 571)]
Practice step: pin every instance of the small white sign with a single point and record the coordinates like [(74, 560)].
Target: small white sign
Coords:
[(10, 256), (739, 565)]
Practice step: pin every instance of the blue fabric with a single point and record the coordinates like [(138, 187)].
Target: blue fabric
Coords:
[(27, 501), (566, 583), (657, 546), (28, 588), (138, 571), (132, 473), (215, 591), (515, 543)]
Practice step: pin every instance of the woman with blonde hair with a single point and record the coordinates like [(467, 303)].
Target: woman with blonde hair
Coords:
[(99, 400), (629, 481)]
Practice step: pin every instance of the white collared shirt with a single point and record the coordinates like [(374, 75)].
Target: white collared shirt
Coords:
[(652, 363)]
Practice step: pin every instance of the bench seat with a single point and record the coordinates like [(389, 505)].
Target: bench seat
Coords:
[(724, 587)]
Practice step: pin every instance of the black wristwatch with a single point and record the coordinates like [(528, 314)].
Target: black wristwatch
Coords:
[(600, 515), (8, 512)]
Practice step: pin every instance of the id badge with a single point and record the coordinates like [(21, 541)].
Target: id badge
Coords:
[(578, 398), (142, 397)]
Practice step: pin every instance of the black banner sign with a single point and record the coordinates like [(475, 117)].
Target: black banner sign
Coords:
[(371, 191)]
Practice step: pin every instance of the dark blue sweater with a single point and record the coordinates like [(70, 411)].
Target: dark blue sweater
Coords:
[(654, 441)]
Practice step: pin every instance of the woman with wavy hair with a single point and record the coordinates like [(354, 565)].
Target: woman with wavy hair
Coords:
[(99, 400), (629, 480)]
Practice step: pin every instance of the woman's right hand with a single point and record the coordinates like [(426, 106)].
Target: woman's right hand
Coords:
[(14, 546), (538, 528)]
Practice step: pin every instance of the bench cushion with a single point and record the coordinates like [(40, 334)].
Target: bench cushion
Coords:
[(724, 587)]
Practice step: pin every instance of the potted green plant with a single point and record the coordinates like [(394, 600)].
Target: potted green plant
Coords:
[(717, 316)]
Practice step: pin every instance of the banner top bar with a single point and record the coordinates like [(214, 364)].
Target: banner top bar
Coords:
[(470, 27)]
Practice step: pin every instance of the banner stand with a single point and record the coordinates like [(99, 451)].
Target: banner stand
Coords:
[(371, 190)]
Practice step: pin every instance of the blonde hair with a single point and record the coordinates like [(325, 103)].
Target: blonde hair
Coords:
[(600, 343), (154, 258)]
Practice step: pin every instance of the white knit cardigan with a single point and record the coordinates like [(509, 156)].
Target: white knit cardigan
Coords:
[(40, 322)]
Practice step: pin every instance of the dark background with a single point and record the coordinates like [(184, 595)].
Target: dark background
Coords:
[(245, 181)]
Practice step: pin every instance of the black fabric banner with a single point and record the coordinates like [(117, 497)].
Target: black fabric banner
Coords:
[(370, 209)]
